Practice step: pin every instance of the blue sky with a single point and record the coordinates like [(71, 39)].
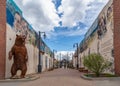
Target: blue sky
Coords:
[(65, 38), (64, 21), (65, 42)]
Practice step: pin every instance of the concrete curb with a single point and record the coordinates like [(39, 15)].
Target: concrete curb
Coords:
[(27, 78), (100, 78), (84, 77)]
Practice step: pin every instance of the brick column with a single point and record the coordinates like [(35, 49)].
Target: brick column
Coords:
[(116, 11), (2, 38)]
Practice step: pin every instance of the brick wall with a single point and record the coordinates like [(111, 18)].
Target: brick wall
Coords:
[(116, 8), (2, 37)]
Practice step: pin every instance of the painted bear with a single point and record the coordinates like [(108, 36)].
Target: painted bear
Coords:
[(20, 57)]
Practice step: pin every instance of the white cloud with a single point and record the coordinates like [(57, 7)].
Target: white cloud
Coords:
[(76, 10), (93, 10), (41, 14), (64, 54), (68, 33), (73, 32), (78, 32)]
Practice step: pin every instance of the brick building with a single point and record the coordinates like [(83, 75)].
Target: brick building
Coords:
[(116, 16), (2, 37)]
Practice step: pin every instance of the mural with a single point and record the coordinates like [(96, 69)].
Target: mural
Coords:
[(99, 27), (110, 17), (16, 24), (105, 19), (20, 56), (19, 24)]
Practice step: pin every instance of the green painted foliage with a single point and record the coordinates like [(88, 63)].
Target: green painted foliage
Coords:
[(96, 63)]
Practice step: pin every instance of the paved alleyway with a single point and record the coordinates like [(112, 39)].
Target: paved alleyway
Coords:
[(58, 77), (62, 77)]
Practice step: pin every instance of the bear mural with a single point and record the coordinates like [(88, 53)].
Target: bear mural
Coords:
[(19, 55)]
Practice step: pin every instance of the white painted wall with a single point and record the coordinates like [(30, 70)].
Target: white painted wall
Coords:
[(10, 34), (32, 64), (105, 43)]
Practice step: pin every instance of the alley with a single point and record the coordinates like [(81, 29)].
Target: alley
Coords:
[(62, 77), (58, 77)]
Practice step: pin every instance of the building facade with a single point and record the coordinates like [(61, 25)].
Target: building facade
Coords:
[(116, 17), (2, 38), (102, 37), (12, 22)]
